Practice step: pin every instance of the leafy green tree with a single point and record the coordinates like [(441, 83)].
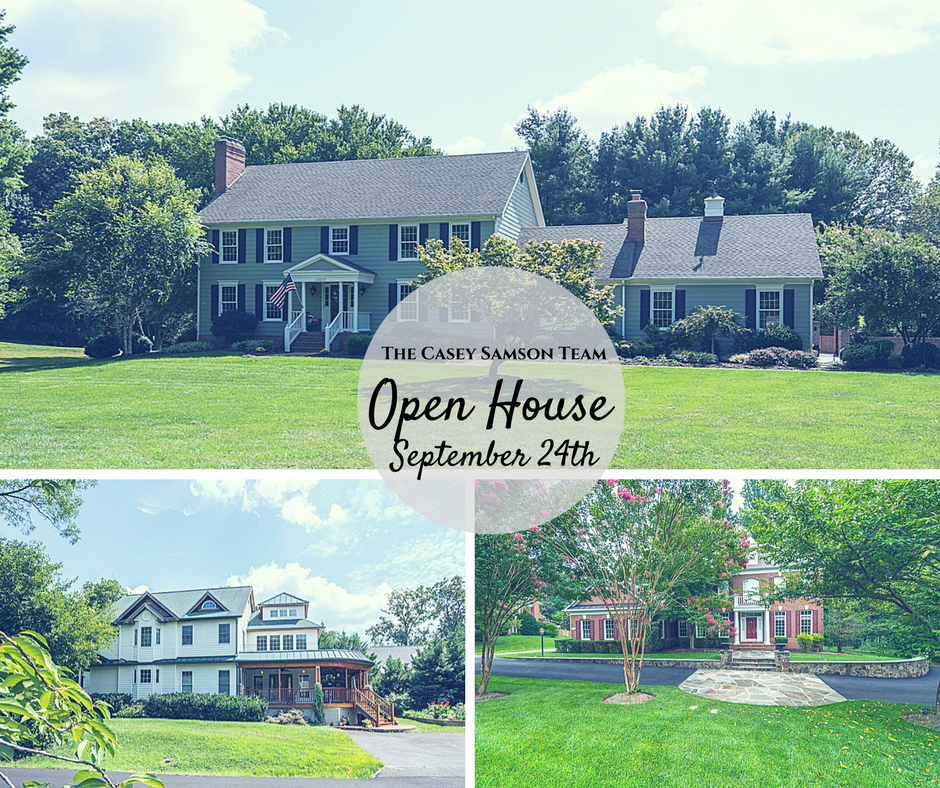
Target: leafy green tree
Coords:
[(76, 623), (705, 324), (125, 239), (340, 640), (845, 620), (450, 605), (438, 672), (393, 682), (409, 614), (11, 260), (56, 501), (886, 279)]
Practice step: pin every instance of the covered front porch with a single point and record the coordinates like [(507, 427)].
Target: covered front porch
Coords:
[(328, 292)]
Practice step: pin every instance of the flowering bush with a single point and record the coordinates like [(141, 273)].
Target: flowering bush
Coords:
[(443, 711)]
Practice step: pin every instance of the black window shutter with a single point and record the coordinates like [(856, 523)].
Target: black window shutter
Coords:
[(474, 235), (423, 232), (214, 302), (215, 246), (243, 246), (445, 234), (644, 309), (354, 239), (393, 242), (324, 240), (750, 309), (680, 304), (259, 302), (443, 315), (241, 298), (788, 308), (392, 299), (287, 238), (259, 245)]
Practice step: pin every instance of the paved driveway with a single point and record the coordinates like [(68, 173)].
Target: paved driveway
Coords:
[(922, 691)]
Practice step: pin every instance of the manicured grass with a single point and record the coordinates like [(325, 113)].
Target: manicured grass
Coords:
[(560, 733), (230, 748), (846, 656), (517, 643), (60, 410)]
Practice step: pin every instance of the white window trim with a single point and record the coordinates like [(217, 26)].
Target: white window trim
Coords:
[(264, 292), (339, 227), (683, 625), (407, 283), (222, 260), (757, 304), (780, 615), (810, 618), (672, 317), (227, 284), (613, 630), (417, 241), (450, 233), (585, 625), (266, 231)]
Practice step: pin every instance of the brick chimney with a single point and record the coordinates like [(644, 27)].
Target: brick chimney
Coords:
[(714, 207), (229, 162), (636, 217)]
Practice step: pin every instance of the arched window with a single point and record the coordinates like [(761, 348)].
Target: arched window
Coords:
[(751, 590), (208, 605)]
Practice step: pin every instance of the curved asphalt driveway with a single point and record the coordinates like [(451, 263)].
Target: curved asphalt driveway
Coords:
[(922, 691)]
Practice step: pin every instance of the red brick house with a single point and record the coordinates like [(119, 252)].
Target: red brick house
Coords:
[(756, 625)]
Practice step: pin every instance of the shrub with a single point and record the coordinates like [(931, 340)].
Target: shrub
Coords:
[(319, 713), (817, 641), (220, 708), (141, 344), (767, 357), (912, 355), (187, 347), (324, 352), (116, 700), (268, 345), (132, 711), (801, 359), (234, 325), (563, 645), (288, 717), (527, 624), (694, 357), (104, 346), (781, 640), (551, 630), (358, 344), (738, 358), (401, 700), (868, 355), (705, 325), (659, 340), (805, 641), (779, 335)]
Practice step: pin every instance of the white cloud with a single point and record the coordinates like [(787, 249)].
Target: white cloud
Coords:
[(224, 491), (175, 60), (465, 145), (420, 561), (300, 511), (376, 501), (622, 93), (138, 590), (742, 32), (334, 605)]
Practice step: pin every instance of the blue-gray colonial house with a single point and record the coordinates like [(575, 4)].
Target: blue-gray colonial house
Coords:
[(348, 233)]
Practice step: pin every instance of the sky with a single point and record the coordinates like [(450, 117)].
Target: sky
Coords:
[(464, 74), (340, 544)]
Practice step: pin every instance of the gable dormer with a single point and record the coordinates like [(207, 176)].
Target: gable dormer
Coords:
[(146, 602), (208, 604), (284, 607)]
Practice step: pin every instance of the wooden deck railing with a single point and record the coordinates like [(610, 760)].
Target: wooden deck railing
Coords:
[(286, 696)]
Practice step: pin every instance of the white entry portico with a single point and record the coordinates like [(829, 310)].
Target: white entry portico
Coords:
[(329, 289)]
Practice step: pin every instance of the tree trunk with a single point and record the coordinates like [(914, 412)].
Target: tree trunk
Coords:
[(936, 708)]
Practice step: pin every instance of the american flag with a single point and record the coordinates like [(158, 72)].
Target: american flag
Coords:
[(279, 296)]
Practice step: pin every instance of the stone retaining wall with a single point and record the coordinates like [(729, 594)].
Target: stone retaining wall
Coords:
[(893, 669)]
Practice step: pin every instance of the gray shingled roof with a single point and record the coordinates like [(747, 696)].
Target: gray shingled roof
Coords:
[(739, 247), (179, 603), (425, 186), (256, 622), (404, 653), (284, 599), (317, 655)]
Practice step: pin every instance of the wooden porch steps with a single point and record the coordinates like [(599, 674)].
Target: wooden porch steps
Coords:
[(309, 342)]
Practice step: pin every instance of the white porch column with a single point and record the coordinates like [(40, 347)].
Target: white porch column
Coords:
[(303, 302), (355, 306), (290, 306)]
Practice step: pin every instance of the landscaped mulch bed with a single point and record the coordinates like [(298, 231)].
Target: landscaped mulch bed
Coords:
[(492, 695), (628, 699)]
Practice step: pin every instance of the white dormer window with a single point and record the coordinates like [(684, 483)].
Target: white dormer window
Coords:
[(274, 246), (209, 605), (339, 240)]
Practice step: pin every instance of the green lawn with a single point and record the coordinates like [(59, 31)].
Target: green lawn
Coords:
[(560, 733), (795, 656), (517, 643), (60, 410), (846, 656), (230, 748)]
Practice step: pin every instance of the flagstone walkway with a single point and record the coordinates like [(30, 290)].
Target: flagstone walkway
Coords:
[(760, 689)]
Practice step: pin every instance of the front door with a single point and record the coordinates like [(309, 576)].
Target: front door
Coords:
[(332, 301), (751, 628)]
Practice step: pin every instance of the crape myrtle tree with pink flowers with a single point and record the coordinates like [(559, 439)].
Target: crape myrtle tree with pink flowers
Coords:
[(641, 546)]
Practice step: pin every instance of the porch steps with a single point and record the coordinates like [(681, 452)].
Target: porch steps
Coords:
[(308, 342), (753, 663)]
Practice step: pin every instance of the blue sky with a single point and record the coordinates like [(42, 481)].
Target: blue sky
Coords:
[(464, 73), (341, 544)]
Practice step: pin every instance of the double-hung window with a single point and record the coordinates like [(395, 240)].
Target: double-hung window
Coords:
[(662, 308), (407, 242), (407, 312), (158, 641), (780, 623), (301, 642), (187, 684), (272, 312), (806, 622), (274, 246), (225, 633), (261, 644), (288, 643), (769, 303), (187, 635), (223, 682), (462, 232), (228, 297), (339, 240), (683, 629), (275, 642), (608, 629), (585, 629), (229, 251), (146, 637)]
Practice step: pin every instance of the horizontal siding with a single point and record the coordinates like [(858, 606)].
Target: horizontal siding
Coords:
[(519, 213)]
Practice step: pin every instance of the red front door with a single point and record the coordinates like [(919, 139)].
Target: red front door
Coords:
[(751, 628)]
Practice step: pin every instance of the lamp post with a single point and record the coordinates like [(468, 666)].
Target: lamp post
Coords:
[(542, 633), (923, 338)]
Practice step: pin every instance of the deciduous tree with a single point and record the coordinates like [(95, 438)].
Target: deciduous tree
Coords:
[(56, 501)]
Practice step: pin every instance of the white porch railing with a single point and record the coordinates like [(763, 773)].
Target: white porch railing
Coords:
[(334, 328), (295, 328), (365, 321)]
